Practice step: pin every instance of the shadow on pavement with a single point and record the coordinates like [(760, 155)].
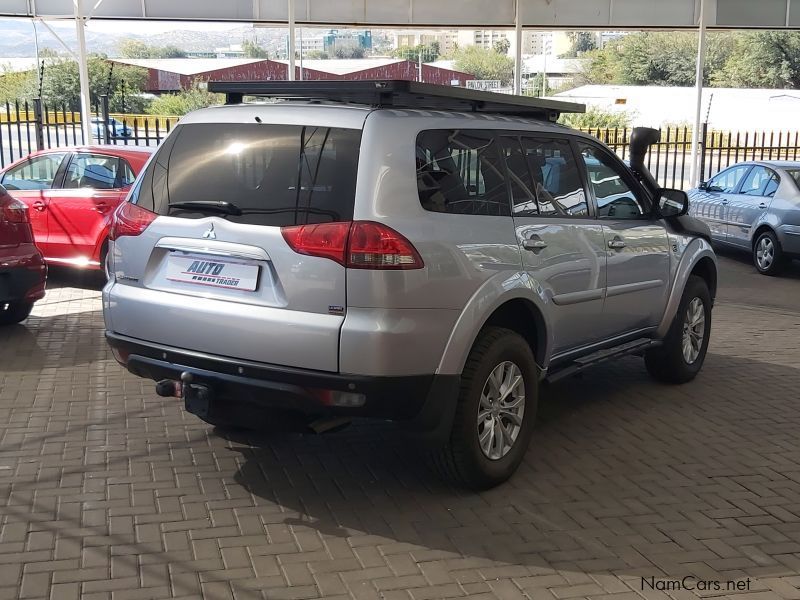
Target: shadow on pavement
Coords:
[(623, 475)]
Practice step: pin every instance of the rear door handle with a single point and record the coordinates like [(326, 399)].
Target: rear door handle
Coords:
[(616, 244), (762, 206), (724, 202), (534, 244), (39, 205)]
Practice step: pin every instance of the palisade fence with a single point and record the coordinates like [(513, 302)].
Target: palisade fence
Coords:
[(26, 126)]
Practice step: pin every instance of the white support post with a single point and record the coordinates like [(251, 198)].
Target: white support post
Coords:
[(701, 60), (517, 50), (291, 47), (83, 72)]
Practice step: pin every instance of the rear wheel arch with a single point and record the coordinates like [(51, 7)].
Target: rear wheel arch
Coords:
[(523, 317), (761, 229)]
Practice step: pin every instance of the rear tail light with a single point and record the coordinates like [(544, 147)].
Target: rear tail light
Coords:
[(15, 212), (355, 245), (131, 220), (326, 240)]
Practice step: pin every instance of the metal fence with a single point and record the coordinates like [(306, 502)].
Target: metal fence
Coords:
[(670, 159), (28, 126)]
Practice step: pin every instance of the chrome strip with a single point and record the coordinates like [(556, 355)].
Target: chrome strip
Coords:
[(627, 288), (224, 249), (576, 297)]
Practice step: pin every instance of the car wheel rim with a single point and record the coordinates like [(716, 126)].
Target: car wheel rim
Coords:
[(765, 253), (501, 410), (694, 330)]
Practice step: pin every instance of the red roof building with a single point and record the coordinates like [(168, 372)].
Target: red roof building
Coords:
[(173, 74)]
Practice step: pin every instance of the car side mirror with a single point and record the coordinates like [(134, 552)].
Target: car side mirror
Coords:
[(703, 185), (672, 203)]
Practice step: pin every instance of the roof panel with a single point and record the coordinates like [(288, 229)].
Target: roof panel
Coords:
[(630, 14)]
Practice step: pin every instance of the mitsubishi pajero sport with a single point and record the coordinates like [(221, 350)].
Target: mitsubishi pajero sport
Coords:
[(399, 251)]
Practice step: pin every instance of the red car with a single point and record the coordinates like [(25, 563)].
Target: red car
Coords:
[(22, 269), (72, 194)]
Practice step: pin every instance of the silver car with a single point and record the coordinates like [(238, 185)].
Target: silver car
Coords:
[(754, 206), (384, 254)]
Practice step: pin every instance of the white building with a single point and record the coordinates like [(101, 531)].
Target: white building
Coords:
[(727, 109)]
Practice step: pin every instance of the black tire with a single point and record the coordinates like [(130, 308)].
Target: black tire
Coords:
[(15, 312), (461, 460), (776, 262), (667, 362)]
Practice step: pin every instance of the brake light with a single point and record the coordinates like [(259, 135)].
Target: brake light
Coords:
[(15, 212), (326, 240), (131, 220), (376, 246), (355, 245)]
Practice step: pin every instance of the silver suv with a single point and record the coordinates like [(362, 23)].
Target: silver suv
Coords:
[(399, 251)]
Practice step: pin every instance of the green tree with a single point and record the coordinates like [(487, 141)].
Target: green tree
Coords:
[(16, 85), (317, 55), (349, 51), (484, 63), (61, 84), (429, 52), (169, 52), (595, 117), (762, 59), (130, 48), (502, 46), (180, 103), (253, 50), (655, 58), (580, 43)]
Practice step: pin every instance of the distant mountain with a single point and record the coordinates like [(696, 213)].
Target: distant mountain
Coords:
[(17, 38)]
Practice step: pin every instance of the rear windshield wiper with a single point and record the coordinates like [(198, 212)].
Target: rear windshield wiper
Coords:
[(221, 206)]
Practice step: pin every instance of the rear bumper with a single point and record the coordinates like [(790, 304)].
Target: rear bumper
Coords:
[(426, 401), (22, 278)]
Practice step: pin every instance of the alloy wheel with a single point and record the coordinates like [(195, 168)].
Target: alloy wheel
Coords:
[(694, 330), (765, 253), (501, 410)]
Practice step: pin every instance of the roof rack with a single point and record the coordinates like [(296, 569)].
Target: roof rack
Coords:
[(398, 94)]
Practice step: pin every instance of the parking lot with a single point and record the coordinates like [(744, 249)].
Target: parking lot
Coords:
[(109, 491)]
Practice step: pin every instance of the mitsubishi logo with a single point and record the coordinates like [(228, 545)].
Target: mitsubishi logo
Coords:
[(210, 235)]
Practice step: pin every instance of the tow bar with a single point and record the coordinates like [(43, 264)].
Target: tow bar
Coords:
[(197, 397)]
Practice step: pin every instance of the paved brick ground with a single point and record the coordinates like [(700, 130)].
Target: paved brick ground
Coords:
[(107, 491)]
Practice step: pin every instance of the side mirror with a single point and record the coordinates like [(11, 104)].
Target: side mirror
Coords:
[(703, 185), (672, 203)]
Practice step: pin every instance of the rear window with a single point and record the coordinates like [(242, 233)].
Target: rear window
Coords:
[(274, 174)]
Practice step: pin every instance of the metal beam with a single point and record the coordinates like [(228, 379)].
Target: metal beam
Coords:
[(701, 60), (291, 44), (83, 72), (517, 49)]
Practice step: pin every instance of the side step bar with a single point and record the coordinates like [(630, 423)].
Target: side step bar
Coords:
[(584, 362)]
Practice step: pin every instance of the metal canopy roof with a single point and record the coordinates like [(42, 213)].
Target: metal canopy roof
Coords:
[(398, 94), (615, 14)]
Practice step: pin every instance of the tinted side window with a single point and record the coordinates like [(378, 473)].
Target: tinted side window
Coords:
[(275, 174), (757, 182), (34, 174), (556, 179), (523, 188), (459, 171), (615, 198), (727, 181), (92, 171)]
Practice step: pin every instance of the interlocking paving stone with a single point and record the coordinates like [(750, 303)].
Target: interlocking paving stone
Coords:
[(108, 491)]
